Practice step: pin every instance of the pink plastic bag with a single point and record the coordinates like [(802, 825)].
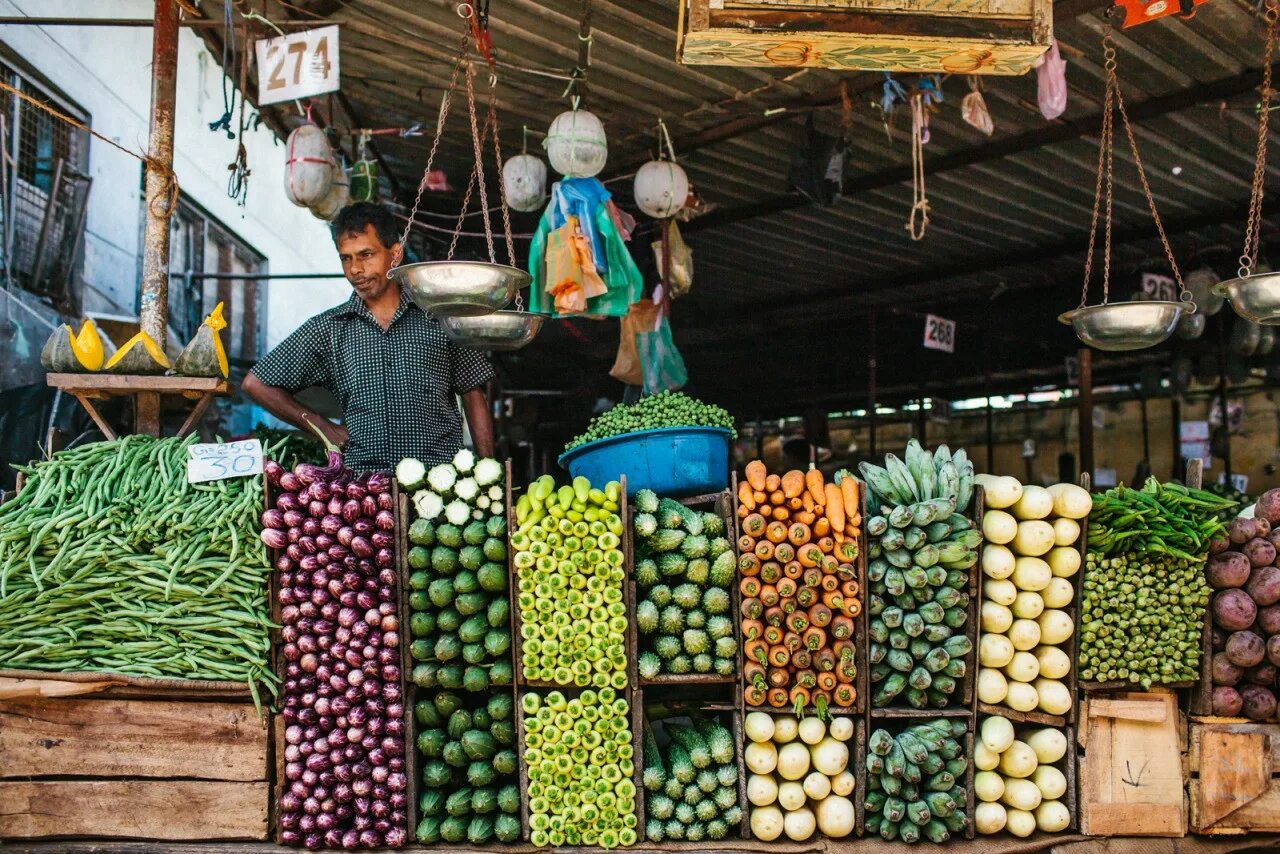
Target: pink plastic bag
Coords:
[(1051, 78)]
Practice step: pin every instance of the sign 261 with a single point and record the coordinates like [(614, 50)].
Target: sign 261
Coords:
[(297, 65)]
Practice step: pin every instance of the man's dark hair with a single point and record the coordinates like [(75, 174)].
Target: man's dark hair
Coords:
[(354, 218)]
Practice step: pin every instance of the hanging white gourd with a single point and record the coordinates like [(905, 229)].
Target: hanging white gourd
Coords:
[(338, 196), (524, 179), (576, 144), (308, 166), (661, 185)]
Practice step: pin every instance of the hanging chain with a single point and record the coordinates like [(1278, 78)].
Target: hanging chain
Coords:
[(492, 122), (476, 137), (1253, 230), (919, 201), (1114, 100)]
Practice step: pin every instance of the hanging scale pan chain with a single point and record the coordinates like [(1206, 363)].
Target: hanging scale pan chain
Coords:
[(456, 289), (1256, 296), (1124, 325)]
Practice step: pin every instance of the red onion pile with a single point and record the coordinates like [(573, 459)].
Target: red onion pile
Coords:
[(344, 739)]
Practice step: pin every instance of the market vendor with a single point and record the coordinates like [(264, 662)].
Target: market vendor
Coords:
[(389, 363)]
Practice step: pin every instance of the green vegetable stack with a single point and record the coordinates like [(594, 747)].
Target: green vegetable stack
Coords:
[(692, 782), (922, 552), (685, 566), (581, 764), (1144, 596), (914, 782), (569, 565), (469, 791), (654, 412), (111, 561), (460, 618)]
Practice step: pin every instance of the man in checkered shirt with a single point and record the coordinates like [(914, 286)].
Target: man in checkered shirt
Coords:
[(389, 363)]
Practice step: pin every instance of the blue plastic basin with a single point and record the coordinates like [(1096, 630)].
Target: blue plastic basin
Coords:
[(674, 461)]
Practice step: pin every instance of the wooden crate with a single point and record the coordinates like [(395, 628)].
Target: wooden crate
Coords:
[(1235, 777), (928, 36), (107, 768), (1131, 777)]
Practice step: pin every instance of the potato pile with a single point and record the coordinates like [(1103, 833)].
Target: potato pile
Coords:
[(1031, 553)]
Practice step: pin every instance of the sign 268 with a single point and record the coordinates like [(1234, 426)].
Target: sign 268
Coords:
[(939, 333)]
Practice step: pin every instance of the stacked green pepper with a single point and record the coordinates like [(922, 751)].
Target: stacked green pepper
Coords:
[(914, 780)]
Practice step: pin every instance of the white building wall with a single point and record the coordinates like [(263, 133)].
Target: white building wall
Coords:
[(107, 72)]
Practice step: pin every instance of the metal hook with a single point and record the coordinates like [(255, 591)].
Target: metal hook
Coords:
[(465, 10)]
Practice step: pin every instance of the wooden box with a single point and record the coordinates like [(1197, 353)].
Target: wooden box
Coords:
[(1235, 777), (928, 36), (1131, 781), (170, 769)]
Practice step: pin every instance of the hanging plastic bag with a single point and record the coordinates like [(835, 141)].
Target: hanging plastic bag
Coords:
[(1051, 79), (641, 318), (973, 108), (680, 278), (661, 360)]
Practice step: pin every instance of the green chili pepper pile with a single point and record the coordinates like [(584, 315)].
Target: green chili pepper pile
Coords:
[(1165, 518), (110, 560)]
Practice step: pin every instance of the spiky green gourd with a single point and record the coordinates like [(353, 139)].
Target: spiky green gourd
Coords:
[(680, 664), (696, 619), (716, 601), (725, 648), (693, 742), (647, 501), (667, 647), (661, 807), (670, 514), (703, 663), (647, 573), (672, 565), (666, 540), (686, 596), (691, 520), (655, 773), (698, 571), (695, 546), (647, 617), (648, 665), (671, 620), (723, 570), (660, 595), (646, 524), (726, 667), (712, 524)]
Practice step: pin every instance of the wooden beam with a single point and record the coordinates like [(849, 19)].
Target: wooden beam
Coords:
[(1032, 140)]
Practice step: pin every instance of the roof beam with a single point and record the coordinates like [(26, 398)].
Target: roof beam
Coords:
[(1018, 144)]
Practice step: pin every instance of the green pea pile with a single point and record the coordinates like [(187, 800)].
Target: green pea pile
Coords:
[(654, 412)]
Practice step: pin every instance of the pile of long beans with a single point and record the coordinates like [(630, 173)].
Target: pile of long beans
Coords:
[(111, 561), (1164, 518)]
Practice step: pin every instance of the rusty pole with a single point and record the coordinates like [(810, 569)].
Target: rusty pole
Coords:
[(154, 302), (1086, 410)]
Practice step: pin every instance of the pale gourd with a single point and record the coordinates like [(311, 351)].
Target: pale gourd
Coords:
[(996, 618), (1031, 574), (1070, 501), (994, 650), (997, 733), (1023, 667), (793, 761), (1021, 794), (816, 785), (1058, 594), (785, 729), (791, 795), (799, 824), (830, 756), (766, 823), (1054, 663), (1022, 697), (1020, 823), (762, 790), (1001, 492), (997, 561), (758, 726), (1027, 606), (841, 729), (843, 784), (984, 758), (836, 817), (812, 730), (1065, 531), (989, 818), (999, 527), (1055, 627), (1052, 816), (1051, 782), (1033, 538), (1001, 591), (1049, 744), (988, 786), (761, 757), (1063, 562), (1035, 503), (1055, 698), (1025, 634), (992, 686)]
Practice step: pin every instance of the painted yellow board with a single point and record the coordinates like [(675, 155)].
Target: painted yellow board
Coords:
[(985, 8)]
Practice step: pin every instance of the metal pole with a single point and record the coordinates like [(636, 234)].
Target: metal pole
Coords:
[(871, 384), (1175, 421), (1086, 410), (1222, 395), (154, 311), (986, 391)]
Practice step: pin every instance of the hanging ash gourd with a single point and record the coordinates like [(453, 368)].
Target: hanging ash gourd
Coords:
[(524, 179), (308, 168), (1122, 325), (1255, 295), (468, 295), (661, 185)]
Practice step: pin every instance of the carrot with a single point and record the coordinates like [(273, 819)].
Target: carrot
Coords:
[(784, 552), (793, 483), (798, 621), (835, 600), (759, 497), (793, 569), (789, 606), (844, 696), (799, 698), (756, 650), (752, 629), (768, 595), (801, 658), (849, 494), (773, 635), (756, 474), (847, 551), (753, 673), (779, 656), (791, 640), (754, 696), (806, 678), (770, 572), (752, 609), (764, 550), (749, 564), (854, 607), (806, 517), (849, 588), (809, 555), (816, 485), (774, 616), (815, 639), (794, 504), (778, 697), (835, 507), (827, 545), (786, 587), (805, 597), (820, 615), (754, 525), (781, 514), (745, 496), (744, 511), (749, 586), (824, 658), (842, 627), (821, 527), (798, 534), (846, 670), (852, 525), (827, 681), (806, 500), (777, 499), (776, 532), (830, 564), (772, 482), (830, 583), (843, 648), (778, 677), (812, 577)]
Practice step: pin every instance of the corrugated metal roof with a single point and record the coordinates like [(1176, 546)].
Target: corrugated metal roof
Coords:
[(783, 292)]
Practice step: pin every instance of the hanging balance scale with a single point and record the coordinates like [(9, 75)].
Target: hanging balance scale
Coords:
[(468, 296), (1122, 325), (1256, 296)]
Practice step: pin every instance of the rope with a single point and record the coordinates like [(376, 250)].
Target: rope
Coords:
[(919, 201), (163, 169)]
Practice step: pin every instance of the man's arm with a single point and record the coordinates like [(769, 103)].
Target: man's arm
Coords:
[(480, 420), (283, 405)]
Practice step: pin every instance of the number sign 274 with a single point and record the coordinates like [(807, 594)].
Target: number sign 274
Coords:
[(297, 65)]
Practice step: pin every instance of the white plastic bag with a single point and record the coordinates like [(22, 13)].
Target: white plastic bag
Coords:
[(1051, 79)]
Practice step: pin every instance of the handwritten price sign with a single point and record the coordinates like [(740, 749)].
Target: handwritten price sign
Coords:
[(223, 461)]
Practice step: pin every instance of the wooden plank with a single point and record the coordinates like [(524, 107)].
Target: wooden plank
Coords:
[(1133, 820), (129, 383), (177, 689), (1199, 728), (939, 8), (1153, 711), (1234, 770), (132, 738), (135, 809), (775, 21), (1260, 815), (1131, 776)]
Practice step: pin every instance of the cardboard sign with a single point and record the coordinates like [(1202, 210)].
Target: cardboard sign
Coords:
[(297, 65), (225, 460), (939, 334)]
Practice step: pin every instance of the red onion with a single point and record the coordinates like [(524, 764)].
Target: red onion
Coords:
[(385, 558), (363, 526), (381, 539)]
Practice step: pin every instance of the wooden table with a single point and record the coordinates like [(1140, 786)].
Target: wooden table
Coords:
[(145, 391)]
